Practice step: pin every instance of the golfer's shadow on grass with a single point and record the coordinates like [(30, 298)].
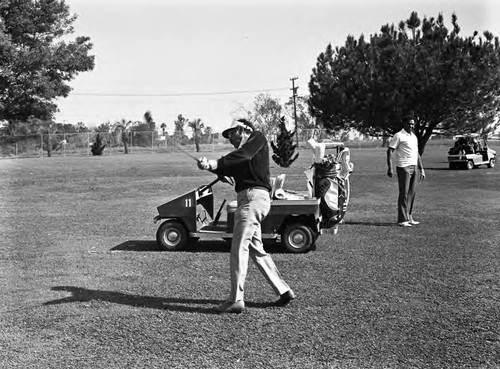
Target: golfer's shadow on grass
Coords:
[(198, 246), (152, 246), (79, 294)]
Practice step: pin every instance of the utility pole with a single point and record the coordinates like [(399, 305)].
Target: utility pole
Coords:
[(294, 91)]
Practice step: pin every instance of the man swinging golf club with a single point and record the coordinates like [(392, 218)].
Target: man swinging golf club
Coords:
[(248, 164)]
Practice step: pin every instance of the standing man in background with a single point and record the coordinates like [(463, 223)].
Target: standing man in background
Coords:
[(404, 148), (248, 164)]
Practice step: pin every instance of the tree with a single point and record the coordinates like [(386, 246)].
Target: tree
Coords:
[(179, 135), (284, 150), (266, 113), (419, 68), (197, 126), (304, 119), (142, 132), (104, 127), (121, 130), (163, 128), (35, 64), (81, 127), (66, 127), (20, 129), (47, 129), (208, 132), (148, 119), (98, 145)]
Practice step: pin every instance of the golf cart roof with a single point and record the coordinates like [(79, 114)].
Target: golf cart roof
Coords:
[(329, 144), (472, 135)]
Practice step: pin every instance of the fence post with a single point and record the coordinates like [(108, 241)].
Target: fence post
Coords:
[(152, 139), (41, 145)]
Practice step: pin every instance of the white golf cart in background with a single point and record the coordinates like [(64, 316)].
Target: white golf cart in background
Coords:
[(469, 152)]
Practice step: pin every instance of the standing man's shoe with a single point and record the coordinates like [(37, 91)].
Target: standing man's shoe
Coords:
[(413, 222), (404, 224), (285, 298), (231, 307)]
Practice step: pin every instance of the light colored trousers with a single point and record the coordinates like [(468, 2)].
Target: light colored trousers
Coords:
[(407, 181), (253, 206)]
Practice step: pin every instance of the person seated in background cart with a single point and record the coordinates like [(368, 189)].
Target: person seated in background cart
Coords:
[(466, 145), (248, 164)]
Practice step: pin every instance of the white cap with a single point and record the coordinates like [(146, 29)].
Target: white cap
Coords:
[(238, 123)]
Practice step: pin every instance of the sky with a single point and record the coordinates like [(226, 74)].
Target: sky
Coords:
[(210, 59)]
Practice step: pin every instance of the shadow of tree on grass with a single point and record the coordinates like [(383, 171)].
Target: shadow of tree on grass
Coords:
[(79, 294)]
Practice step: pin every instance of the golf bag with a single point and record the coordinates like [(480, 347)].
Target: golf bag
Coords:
[(331, 185)]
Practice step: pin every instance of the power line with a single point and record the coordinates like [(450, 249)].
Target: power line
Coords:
[(178, 93)]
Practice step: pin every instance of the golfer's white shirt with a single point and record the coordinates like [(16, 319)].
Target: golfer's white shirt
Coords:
[(405, 147)]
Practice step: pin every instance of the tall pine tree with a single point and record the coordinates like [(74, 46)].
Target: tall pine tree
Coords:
[(419, 67)]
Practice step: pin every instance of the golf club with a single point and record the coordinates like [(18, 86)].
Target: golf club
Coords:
[(187, 153)]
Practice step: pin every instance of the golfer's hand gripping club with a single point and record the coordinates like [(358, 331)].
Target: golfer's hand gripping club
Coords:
[(205, 164), (202, 163)]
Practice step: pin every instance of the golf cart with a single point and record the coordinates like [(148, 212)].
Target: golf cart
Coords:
[(469, 152), (295, 219)]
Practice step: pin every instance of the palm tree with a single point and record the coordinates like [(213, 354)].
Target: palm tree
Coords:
[(122, 130), (208, 132), (148, 118), (196, 125), (46, 128)]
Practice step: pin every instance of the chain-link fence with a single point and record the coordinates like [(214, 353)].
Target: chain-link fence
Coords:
[(79, 144), (63, 144)]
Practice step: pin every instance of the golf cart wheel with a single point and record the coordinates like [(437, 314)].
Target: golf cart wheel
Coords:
[(470, 164), (298, 238), (491, 164), (172, 236)]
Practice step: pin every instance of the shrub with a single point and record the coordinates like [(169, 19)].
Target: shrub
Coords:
[(98, 145), (284, 149)]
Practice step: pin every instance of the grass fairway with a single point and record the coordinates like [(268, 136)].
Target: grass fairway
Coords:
[(83, 284)]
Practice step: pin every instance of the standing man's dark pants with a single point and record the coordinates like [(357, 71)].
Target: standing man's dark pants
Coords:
[(407, 180)]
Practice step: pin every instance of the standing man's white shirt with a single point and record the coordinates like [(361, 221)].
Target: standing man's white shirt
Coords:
[(405, 147)]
